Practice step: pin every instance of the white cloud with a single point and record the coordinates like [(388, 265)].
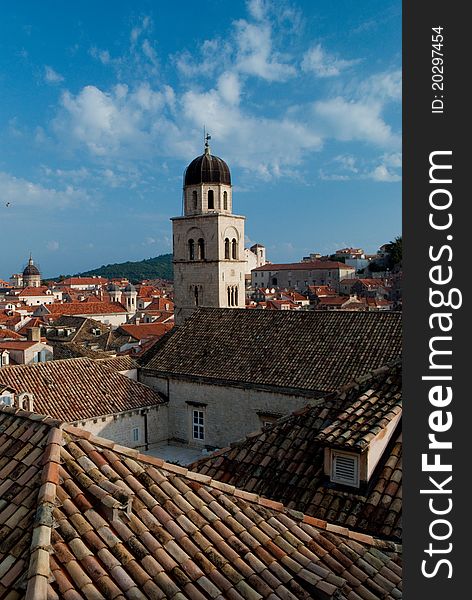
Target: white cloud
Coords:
[(382, 173), (21, 192), (381, 87), (105, 122), (257, 9), (266, 147), (348, 121), (318, 61), (388, 169), (53, 245), (102, 55), (51, 76), (255, 54)]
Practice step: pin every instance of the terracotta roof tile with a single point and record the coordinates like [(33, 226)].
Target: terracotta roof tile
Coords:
[(127, 554), (284, 461), (221, 345), (78, 388)]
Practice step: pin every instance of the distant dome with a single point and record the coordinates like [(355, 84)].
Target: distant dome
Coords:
[(113, 288), (207, 169), (130, 288), (31, 269)]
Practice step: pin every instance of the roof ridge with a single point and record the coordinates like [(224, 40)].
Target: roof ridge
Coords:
[(31, 416), (132, 453), (37, 586)]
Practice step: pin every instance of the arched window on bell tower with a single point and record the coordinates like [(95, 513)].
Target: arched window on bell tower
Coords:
[(229, 296), (227, 251), (195, 292), (211, 200), (201, 249), (225, 200), (194, 200), (191, 250), (234, 249)]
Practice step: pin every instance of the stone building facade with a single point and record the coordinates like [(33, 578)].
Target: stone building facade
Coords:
[(208, 241), (226, 373)]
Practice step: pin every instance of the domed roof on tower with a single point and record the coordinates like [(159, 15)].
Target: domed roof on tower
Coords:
[(130, 288), (207, 168), (31, 268)]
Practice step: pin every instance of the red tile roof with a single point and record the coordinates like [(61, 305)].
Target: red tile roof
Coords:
[(87, 518), (35, 291), (305, 266), (83, 281), (85, 308), (7, 334), (78, 388), (16, 344), (160, 304), (146, 330), (285, 461)]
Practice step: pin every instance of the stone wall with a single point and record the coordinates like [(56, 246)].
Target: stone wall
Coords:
[(230, 413), (119, 427)]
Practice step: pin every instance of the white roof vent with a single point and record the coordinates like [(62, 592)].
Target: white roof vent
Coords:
[(345, 468)]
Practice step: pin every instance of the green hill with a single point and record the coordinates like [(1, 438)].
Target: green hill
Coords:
[(159, 267)]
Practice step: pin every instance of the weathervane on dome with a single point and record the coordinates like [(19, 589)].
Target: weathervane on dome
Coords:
[(207, 138)]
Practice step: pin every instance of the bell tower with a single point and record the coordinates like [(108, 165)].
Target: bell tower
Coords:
[(208, 240)]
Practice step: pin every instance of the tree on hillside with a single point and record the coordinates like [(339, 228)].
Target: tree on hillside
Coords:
[(394, 249)]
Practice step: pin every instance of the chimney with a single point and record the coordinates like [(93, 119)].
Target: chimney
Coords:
[(33, 334), (25, 401)]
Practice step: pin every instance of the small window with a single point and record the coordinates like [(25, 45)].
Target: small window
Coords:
[(227, 248), (6, 400), (211, 200), (234, 249), (201, 249), (345, 468), (194, 200), (195, 291), (198, 425), (135, 434), (225, 200), (191, 250)]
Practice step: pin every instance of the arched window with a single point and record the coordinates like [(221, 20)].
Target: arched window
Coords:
[(201, 249), (274, 280), (191, 250), (194, 200), (225, 200), (232, 296), (229, 296), (211, 200), (195, 292), (236, 296), (227, 254), (234, 247)]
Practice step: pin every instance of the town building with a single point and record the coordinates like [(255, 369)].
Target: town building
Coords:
[(95, 395), (339, 460), (225, 371), (208, 240), (31, 275), (299, 276)]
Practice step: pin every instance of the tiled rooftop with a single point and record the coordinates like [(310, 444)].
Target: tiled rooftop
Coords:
[(310, 351), (78, 388), (81, 517), (305, 266), (365, 416), (85, 308), (284, 461)]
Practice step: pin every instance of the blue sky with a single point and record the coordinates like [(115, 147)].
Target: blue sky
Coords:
[(102, 106)]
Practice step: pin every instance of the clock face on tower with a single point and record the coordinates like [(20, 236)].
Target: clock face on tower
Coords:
[(209, 260)]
